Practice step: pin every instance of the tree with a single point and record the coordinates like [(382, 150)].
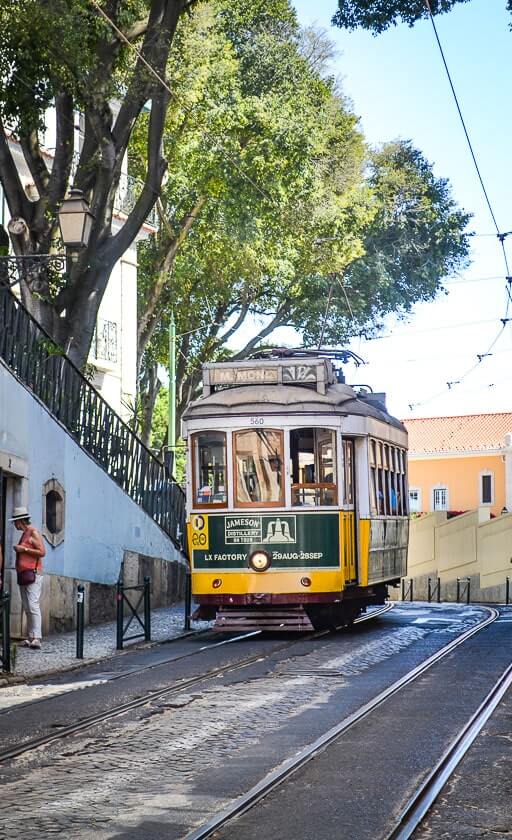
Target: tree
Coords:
[(63, 53), (283, 156), (379, 15), (310, 228)]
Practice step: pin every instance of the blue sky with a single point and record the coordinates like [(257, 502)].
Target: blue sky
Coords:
[(398, 87)]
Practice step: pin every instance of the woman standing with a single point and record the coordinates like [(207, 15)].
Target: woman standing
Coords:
[(29, 568)]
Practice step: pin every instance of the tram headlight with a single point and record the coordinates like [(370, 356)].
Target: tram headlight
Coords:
[(259, 561)]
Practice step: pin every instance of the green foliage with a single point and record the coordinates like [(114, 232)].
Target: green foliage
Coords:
[(45, 48), (379, 15), (159, 435), (160, 417), (290, 207)]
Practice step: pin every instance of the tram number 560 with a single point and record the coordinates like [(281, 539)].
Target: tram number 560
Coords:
[(257, 421)]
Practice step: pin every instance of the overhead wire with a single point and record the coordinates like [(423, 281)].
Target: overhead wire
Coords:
[(501, 235)]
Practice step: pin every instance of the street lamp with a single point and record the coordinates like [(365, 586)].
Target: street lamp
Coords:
[(75, 220)]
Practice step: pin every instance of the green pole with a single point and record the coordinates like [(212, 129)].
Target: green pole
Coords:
[(171, 434)]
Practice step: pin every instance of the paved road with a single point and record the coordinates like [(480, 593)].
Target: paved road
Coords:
[(159, 771)]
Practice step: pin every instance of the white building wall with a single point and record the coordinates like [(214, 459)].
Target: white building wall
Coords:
[(101, 521)]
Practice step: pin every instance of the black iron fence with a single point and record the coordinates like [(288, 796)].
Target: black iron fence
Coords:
[(463, 590), (434, 592), (5, 648), (142, 619), (43, 368), (407, 590)]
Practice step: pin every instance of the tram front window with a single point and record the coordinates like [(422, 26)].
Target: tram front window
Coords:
[(313, 467), (209, 450), (258, 468)]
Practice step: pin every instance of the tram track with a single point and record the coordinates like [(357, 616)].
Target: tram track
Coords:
[(419, 804), (155, 694)]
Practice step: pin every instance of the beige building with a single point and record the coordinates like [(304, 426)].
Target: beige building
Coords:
[(460, 463)]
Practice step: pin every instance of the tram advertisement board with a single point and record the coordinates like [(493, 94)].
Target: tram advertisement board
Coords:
[(293, 540)]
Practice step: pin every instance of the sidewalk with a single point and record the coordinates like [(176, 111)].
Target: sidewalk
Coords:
[(58, 652)]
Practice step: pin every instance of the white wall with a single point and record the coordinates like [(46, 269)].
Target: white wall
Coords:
[(101, 521), (117, 380)]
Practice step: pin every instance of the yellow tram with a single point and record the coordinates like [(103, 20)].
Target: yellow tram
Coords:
[(297, 495)]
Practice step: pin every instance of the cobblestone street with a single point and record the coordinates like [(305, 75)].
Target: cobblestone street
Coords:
[(169, 766), (58, 652)]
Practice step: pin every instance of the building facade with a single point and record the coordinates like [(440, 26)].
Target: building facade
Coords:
[(95, 529), (460, 463), (113, 352)]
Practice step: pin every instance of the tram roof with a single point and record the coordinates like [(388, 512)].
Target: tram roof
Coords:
[(339, 399)]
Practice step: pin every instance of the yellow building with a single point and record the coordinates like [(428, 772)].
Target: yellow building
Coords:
[(460, 463)]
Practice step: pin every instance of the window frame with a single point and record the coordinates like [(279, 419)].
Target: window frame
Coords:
[(315, 485), (208, 505), (54, 538), (387, 474), (434, 490), (237, 504), (418, 491), (483, 474)]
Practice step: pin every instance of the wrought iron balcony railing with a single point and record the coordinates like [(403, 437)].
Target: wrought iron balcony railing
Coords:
[(127, 194), (29, 352), (128, 191)]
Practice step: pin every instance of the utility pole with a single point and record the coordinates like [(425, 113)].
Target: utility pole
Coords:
[(171, 429)]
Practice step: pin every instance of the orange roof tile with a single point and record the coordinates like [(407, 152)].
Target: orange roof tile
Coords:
[(465, 433)]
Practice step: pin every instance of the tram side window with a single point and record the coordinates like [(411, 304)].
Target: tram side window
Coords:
[(381, 496), (258, 468), (373, 477), (209, 453), (388, 479), (313, 467)]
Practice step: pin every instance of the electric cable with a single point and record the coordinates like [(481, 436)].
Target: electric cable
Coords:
[(499, 234)]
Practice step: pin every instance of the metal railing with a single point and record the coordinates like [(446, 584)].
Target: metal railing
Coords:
[(144, 622), (408, 591), (38, 270), (30, 353), (463, 589), (5, 623), (128, 191), (434, 592)]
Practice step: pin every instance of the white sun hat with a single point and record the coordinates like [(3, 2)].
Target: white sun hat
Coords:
[(19, 513)]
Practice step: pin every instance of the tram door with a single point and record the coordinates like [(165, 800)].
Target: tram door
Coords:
[(348, 514)]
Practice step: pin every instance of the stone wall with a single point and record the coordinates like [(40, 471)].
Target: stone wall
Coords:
[(471, 545)]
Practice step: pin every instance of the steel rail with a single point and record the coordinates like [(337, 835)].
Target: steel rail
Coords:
[(421, 801), (193, 633), (291, 765), (129, 705)]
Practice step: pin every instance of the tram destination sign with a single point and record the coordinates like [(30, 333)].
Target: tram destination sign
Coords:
[(293, 540), (243, 375), (286, 372)]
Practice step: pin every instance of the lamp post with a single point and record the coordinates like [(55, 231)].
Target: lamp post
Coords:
[(75, 222)]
